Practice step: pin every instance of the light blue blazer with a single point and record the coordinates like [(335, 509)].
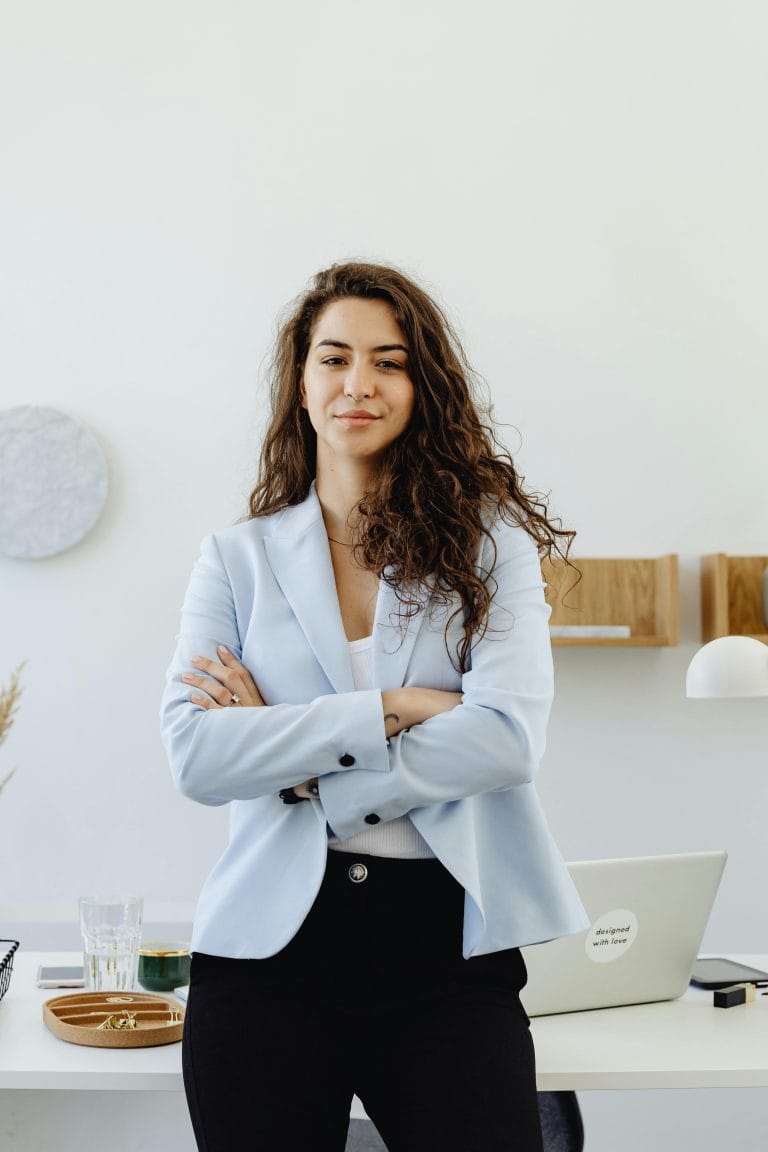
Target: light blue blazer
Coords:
[(265, 589)]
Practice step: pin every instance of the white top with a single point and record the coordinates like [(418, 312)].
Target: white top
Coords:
[(395, 838)]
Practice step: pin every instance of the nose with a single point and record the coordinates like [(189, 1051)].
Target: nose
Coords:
[(358, 383)]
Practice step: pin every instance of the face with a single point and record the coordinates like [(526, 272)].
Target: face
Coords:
[(356, 387)]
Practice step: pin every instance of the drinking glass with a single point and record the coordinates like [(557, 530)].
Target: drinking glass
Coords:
[(111, 927)]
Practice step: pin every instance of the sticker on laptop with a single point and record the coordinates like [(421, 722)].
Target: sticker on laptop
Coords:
[(611, 936)]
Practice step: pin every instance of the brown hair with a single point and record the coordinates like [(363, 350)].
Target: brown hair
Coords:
[(439, 484)]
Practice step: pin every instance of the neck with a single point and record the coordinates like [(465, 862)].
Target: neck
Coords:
[(339, 491)]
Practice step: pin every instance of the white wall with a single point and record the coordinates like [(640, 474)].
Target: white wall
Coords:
[(584, 185)]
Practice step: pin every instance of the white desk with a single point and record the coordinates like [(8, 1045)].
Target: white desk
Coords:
[(677, 1044), (32, 1057), (684, 1043)]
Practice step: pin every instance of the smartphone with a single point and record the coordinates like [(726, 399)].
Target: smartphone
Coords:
[(60, 976), (717, 972)]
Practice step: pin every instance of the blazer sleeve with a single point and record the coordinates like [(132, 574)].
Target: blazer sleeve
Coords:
[(495, 738), (222, 754)]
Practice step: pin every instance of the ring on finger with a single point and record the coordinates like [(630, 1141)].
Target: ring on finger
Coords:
[(234, 699)]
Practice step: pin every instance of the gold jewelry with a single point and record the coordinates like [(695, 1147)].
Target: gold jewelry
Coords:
[(123, 1023), (342, 542)]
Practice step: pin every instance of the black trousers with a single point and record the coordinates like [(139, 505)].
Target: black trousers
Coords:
[(371, 997)]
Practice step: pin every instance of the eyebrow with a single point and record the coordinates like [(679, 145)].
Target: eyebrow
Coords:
[(348, 347)]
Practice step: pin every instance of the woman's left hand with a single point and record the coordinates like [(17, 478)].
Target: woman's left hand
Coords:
[(226, 683)]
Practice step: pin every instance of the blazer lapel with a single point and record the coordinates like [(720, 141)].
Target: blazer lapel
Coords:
[(393, 639), (300, 560)]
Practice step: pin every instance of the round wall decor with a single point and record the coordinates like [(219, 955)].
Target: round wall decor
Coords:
[(53, 482)]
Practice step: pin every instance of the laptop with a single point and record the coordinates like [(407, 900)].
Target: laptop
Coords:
[(648, 916)]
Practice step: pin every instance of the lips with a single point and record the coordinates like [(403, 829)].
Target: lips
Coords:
[(357, 418)]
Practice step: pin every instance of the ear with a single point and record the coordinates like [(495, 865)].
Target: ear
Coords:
[(302, 391)]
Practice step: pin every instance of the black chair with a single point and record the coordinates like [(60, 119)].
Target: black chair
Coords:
[(561, 1126), (561, 1123)]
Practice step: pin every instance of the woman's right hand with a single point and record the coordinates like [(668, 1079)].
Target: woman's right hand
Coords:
[(404, 707), (226, 683)]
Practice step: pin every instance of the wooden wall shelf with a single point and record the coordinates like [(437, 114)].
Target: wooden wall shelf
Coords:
[(732, 596), (639, 593)]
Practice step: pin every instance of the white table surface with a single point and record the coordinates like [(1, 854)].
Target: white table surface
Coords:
[(32, 1057), (684, 1043)]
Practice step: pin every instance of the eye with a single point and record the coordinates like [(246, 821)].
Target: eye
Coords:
[(390, 364), (332, 361)]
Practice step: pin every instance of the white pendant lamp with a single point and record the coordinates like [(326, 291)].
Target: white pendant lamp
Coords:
[(729, 666)]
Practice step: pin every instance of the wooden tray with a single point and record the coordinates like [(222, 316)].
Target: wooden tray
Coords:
[(79, 1019)]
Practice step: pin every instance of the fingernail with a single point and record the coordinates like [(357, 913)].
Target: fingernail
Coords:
[(224, 651), (196, 660), (186, 676)]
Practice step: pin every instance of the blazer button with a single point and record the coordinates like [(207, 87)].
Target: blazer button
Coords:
[(346, 760), (372, 818)]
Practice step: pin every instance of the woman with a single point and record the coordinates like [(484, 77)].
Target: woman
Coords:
[(364, 673)]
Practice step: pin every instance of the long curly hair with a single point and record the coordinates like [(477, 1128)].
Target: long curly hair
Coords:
[(420, 524)]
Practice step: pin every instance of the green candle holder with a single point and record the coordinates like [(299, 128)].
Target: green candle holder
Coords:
[(163, 965)]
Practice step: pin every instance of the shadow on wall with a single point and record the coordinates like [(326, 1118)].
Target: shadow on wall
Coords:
[(46, 936)]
